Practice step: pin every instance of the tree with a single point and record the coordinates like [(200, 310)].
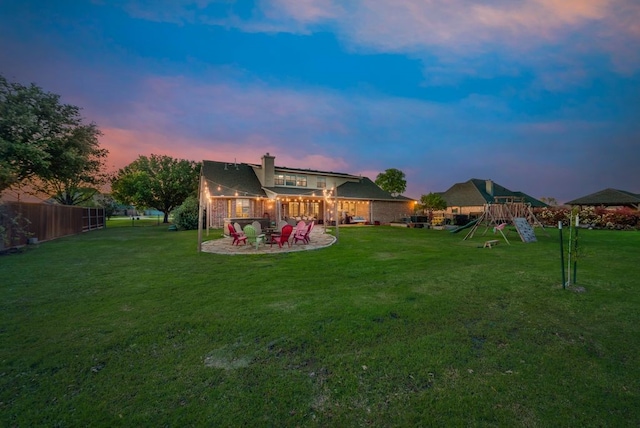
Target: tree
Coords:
[(76, 167), (432, 202), (550, 201), (159, 182), (107, 202), (45, 142), (392, 180)]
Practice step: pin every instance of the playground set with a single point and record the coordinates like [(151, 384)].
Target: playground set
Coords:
[(505, 211)]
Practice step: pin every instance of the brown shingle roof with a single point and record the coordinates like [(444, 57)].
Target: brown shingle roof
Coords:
[(240, 178), (608, 197), (474, 193), (230, 178)]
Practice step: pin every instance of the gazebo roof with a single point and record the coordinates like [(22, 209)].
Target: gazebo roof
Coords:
[(608, 197)]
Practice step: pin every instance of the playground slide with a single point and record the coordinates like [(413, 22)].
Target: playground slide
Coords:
[(466, 226)]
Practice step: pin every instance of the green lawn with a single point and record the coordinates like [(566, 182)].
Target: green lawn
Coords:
[(130, 326)]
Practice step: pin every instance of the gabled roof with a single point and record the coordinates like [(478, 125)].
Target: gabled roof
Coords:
[(474, 193), (225, 179), (367, 189), (608, 197)]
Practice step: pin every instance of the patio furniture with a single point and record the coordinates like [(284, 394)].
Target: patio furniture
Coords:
[(237, 238), (301, 230), (252, 236), (305, 234), (238, 228), (283, 237), (258, 227)]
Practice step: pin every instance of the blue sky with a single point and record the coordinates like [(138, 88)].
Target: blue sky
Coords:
[(541, 96)]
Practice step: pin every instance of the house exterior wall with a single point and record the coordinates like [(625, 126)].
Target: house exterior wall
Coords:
[(220, 208), (387, 211), (464, 210)]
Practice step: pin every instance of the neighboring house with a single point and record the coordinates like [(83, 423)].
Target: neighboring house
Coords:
[(469, 198), (611, 198), (243, 191)]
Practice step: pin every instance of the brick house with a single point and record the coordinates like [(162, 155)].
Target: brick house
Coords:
[(265, 191), (468, 199)]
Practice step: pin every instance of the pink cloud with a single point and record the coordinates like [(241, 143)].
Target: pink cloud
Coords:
[(126, 145), (304, 10)]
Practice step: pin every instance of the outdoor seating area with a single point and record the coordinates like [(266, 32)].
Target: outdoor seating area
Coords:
[(253, 239)]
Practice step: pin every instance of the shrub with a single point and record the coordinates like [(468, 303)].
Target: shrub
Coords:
[(186, 215)]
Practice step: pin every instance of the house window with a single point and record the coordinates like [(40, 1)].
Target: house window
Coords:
[(321, 183), (301, 181), (290, 180), (242, 208), (279, 180)]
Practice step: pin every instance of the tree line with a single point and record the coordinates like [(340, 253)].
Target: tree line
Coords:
[(48, 147)]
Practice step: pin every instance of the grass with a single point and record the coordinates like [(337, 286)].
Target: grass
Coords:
[(390, 327)]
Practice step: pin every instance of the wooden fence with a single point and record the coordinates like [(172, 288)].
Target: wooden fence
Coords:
[(21, 222)]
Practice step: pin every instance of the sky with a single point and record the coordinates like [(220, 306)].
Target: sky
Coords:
[(540, 96)]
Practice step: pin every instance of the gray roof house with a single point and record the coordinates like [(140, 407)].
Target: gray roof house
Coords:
[(609, 198), (230, 190), (470, 197)]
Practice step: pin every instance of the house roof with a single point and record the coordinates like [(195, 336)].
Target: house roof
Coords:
[(227, 179), (474, 193), (240, 179), (608, 197), (367, 189), (284, 169)]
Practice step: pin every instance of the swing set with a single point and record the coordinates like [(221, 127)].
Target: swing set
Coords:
[(508, 211)]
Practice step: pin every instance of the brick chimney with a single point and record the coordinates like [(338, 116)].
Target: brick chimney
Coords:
[(268, 170)]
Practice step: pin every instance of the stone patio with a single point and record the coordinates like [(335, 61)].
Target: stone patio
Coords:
[(318, 239)]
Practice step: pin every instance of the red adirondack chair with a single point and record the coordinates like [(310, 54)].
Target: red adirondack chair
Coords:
[(283, 237), (237, 238)]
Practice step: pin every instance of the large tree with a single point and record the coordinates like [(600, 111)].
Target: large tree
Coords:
[(159, 182), (45, 142), (392, 180), (76, 167)]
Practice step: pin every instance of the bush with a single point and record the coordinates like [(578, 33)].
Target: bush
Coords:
[(186, 215)]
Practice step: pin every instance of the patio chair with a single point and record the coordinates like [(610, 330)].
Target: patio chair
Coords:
[(281, 224), (237, 238), (283, 237), (301, 230), (258, 227), (238, 228), (252, 236), (307, 235)]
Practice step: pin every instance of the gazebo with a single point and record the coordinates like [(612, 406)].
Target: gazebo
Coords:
[(609, 198)]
